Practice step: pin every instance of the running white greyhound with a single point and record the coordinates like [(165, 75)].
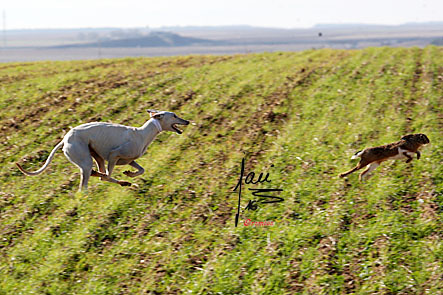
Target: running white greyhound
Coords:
[(117, 144)]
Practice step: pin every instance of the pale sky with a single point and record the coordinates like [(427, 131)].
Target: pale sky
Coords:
[(24, 14)]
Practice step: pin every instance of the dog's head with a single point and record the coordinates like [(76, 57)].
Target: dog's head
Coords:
[(168, 120), (419, 138)]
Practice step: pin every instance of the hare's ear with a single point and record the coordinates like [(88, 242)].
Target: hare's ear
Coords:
[(406, 137), (152, 112), (424, 138)]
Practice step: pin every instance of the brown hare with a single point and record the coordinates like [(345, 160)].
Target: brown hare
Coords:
[(403, 149)]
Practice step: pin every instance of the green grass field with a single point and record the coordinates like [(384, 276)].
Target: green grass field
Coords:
[(173, 232)]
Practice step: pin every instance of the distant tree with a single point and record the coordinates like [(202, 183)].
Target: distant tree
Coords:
[(438, 42)]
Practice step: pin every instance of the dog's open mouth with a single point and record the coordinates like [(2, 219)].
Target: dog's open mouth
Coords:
[(174, 126)]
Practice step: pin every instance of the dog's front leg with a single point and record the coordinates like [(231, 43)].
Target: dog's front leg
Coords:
[(123, 151), (418, 155), (139, 168), (114, 156)]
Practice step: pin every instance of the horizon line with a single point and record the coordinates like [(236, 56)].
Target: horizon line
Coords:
[(350, 24)]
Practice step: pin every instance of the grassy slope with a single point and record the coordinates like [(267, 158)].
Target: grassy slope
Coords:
[(305, 112)]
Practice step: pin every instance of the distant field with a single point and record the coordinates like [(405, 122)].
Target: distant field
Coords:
[(65, 44), (305, 113), (35, 54)]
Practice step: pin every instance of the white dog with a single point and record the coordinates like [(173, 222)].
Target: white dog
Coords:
[(117, 144)]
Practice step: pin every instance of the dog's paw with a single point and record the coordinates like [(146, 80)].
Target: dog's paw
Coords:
[(124, 183)]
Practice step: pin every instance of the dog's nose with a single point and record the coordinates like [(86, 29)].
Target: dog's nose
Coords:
[(186, 122)]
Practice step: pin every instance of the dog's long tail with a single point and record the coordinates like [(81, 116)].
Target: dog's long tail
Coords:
[(48, 161)]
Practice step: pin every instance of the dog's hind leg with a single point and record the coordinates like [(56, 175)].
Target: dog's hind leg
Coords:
[(99, 160), (106, 177), (78, 154), (101, 166), (85, 173), (112, 161)]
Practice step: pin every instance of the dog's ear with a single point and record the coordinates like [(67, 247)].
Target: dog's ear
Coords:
[(152, 112), (157, 116)]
